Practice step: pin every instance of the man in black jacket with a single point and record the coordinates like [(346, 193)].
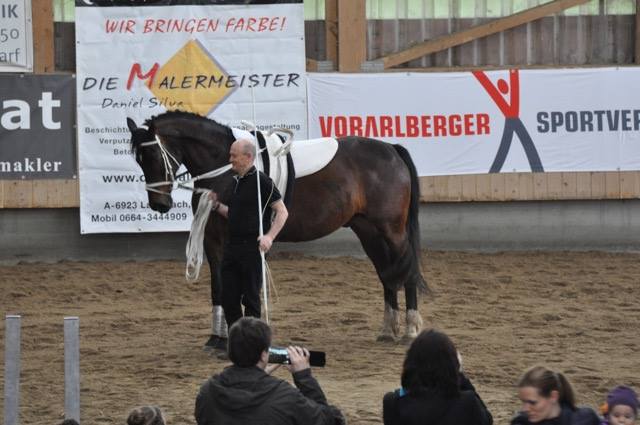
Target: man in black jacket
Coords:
[(246, 393)]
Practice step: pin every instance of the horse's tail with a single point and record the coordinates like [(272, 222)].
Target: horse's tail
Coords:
[(413, 225)]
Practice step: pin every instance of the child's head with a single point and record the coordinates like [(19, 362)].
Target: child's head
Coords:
[(622, 406), (146, 415)]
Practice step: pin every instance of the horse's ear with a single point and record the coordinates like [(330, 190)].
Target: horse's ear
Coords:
[(131, 124)]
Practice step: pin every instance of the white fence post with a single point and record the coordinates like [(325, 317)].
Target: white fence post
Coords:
[(12, 370), (71, 368)]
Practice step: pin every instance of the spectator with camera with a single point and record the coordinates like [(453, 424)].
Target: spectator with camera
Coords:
[(246, 393), (434, 389)]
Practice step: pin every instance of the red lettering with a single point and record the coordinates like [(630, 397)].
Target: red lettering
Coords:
[(263, 24), (230, 23), (201, 25), (111, 26), (341, 126), (325, 126), (136, 71), (455, 129), (273, 25), (483, 124), (412, 126), (148, 26), (386, 126), (127, 25), (439, 125), (250, 23), (399, 132), (468, 125), (159, 24), (371, 127), (355, 126), (426, 125), (239, 25)]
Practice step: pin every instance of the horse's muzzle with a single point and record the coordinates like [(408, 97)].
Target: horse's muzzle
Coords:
[(161, 204)]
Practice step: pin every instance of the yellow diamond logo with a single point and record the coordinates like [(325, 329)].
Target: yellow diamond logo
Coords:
[(191, 81)]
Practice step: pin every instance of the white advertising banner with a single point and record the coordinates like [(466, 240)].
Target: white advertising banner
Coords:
[(231, 62), (16, 36), (489, 121)]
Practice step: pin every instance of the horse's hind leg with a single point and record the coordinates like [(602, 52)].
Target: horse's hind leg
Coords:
[(375, 246), (391, 319), (403, 271), (413, 319)]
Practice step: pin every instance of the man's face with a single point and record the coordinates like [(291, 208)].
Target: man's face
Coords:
[(537, 407), (240, 161)]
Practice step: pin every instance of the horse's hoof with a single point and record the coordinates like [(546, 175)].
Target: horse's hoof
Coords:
[(221, 344), (385, 338), (222, 355), (407, 339)]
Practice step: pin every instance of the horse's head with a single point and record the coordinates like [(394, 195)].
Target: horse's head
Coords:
[(158, 164)]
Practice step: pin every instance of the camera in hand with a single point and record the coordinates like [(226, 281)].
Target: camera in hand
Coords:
[(279, 355)]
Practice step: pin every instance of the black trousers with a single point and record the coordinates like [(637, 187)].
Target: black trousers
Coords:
[(241, 281)]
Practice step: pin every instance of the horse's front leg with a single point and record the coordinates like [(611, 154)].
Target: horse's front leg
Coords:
[(219, 334), (213, 250), (413, 319), (390, 320)]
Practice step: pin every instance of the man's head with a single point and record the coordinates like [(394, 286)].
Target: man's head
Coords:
[(241, 155), (249, 338)]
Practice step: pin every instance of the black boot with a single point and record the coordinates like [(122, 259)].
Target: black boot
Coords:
[(212, 343)]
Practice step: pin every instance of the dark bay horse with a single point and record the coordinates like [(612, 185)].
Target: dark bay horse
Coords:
[(369, 186)]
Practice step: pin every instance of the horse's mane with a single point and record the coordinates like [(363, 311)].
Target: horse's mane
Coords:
[(186, 124)]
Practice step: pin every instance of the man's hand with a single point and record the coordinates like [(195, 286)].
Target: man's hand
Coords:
[(214, 199), (265, 243), (299, 358)]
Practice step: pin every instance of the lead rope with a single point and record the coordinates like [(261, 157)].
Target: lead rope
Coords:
[(195, 245)]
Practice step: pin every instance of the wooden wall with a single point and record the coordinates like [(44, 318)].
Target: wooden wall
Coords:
[(463, 188), (559, 40), (555, 40), (57, 193), (531, 186), (39, 194)]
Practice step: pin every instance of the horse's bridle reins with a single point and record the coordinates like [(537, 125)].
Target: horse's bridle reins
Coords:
[(168, 169), (172, 178)]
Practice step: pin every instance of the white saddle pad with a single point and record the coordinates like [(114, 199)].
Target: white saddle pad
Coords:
[(311, 156)]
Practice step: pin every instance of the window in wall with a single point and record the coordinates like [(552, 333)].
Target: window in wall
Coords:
[(64, 10)]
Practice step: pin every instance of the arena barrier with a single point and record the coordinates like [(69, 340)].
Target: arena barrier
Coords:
[(12, 369)]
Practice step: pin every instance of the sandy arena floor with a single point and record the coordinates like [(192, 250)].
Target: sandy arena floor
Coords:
[(142, 328)]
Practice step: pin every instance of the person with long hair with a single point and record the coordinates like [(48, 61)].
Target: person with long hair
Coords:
[(434, 389), (548, 399)]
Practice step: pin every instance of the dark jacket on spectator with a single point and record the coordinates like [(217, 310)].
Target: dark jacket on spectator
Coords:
[(250, 396), (399, 408), (568, 416)]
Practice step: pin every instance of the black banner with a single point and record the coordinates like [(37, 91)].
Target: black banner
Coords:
[(105, 3), (37, 134)]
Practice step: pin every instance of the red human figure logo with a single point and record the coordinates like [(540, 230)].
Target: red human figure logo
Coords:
[(513, 123)]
